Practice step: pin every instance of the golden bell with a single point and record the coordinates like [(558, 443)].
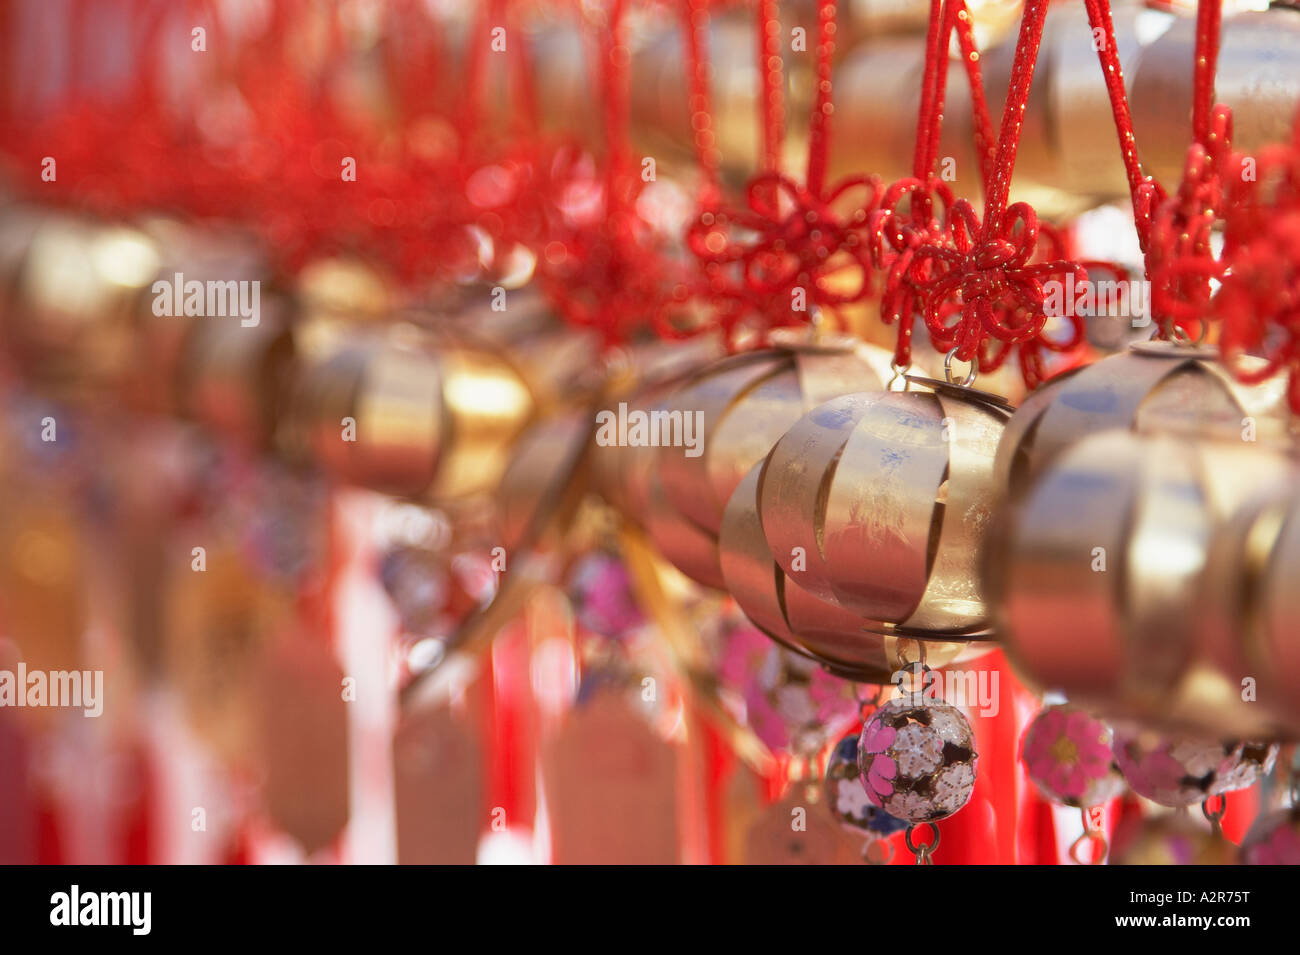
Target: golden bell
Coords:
[(71, 321), (792, 616), (1102, 582), (393, 412), (742, 406), (1251, 629), (1153, 387), (879, 504)]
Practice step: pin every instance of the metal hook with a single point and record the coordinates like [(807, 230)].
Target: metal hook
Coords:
[(925, 851), (1090, 836), (970, 375), (1215, 816), (900, 377)]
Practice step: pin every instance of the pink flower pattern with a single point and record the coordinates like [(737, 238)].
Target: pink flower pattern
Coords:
[(1183, 772), (916, 759), (1068, 755), (879, 769)]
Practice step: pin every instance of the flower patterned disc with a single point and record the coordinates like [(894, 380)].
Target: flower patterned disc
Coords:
[(1068, 755)]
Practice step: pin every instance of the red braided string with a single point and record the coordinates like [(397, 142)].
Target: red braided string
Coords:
[(985, 146), (1208, 16), (1142, 188), (1013, 115), (770, 68), (933, 80), (978, 285), (820, 125), (614, 92), (701, 99)]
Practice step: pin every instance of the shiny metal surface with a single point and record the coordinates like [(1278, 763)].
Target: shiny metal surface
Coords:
[(841, 639), (426, 421), (886, 498), (1106, 586), (1153, 387)]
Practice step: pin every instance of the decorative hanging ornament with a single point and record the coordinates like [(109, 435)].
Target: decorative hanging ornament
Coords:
[(848, 801), (917, 758), (1184, 771), (977, 283), (726, 418), (794, 252), (1252, 602), (1102, 581), (794, 617), (788, 701), (1154, 387), (878, 503), (1068, 755), (397, 413), (1260, 293), (601, 591)]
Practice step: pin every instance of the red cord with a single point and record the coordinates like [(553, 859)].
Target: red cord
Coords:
[(819, 130), (985, 146), (1140, 185), (1208, 16), (1013, 115), (773, 82), (700, 67), (933, 80), (978, 285)]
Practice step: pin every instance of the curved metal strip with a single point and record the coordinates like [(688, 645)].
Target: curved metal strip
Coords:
[(953, 599), (880, 506)]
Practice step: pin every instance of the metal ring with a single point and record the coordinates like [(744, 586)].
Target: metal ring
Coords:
[(1214, 815), (1098, 839), (880, 845), (925, 848), (970, 375), (1171, 331), (900, 374), (903, 663)]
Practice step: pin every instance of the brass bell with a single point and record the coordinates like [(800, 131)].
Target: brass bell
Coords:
[(743, 405), (75, 290), (879, 504), (1251, 627), (545, 478), (1102, 580), (792, 616), (1155, 386), (397, 411)]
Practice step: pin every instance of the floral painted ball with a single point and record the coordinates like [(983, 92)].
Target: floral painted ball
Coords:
[(1068, 755), (1274, 839), (788, 701), (848, 800), (916, 757), (1180, 771)]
